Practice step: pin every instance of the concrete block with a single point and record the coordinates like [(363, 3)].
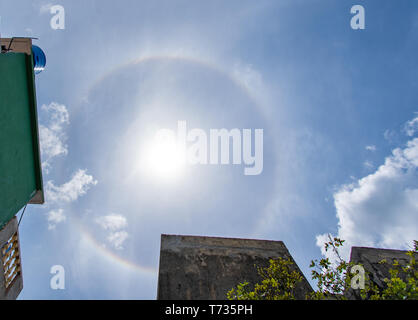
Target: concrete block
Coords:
[(206, 268), (370, 258)]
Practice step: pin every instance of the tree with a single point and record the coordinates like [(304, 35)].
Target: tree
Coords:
[(278, 283), (333, 280), (403, 281), (279, 279)]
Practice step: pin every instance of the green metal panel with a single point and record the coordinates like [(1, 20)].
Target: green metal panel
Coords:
[(20, 168)]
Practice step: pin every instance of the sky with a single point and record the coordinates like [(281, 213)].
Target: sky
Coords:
[(338, 108)]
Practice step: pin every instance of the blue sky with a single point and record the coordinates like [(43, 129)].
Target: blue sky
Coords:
[(338, 108)]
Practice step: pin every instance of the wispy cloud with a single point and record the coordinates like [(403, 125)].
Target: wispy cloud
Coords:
[(371, 148), (52, 133), (117, 239), (55, 217), (71, 190), (112, 222), (51, 146), (68, 192), (58, 115), (55, 119), (411, 127), (115, 225), (368, 164)]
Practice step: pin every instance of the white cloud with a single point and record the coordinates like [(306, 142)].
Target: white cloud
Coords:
[(117, 239), (58, 115), (52, 133), (411, 127), (71, 190), (51, 144), (114, 224), (371, 148), (52, 136), (55, 217), (368, 164), (381, 209), (390, 135)]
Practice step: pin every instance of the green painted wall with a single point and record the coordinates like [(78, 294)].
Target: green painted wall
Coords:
[(20, 170)]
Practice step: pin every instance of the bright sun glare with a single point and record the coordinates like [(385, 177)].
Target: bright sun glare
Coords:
[(164, 158)]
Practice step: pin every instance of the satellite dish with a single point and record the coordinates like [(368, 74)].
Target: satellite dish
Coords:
[(39, 59)]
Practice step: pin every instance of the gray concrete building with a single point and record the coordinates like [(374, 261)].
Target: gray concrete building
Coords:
[(371, 259), (206, 268)]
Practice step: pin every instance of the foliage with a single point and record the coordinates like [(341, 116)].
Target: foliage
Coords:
[(398, 287), (278, 283), (333, 279)]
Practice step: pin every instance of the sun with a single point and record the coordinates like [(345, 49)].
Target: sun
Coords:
[(164, 158)]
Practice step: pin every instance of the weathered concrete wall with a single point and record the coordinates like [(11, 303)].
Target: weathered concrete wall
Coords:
[(195, 268), (370, 258)]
